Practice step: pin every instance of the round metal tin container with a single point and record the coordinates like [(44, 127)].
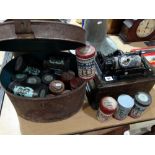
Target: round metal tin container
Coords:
[(47, 78), (33, 80), (20, 77), (56, 87), (142, 101), (125, 104), (42, 38), (86, 62), (48, 109), (106, 109)]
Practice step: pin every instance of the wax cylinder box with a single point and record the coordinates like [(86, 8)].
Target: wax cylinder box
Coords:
[(33, 80), (47, 78), (21, 66), (56, 87), (125, 104), (66, 77), (27, 90), (19, 77), (86, 62), (142, 101), (107, 107)]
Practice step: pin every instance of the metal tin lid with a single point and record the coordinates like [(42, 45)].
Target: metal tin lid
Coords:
[(47, 78), (25, 35), (20, 77), (143, 98), (58, 72), (33, 80), (86, 52), (75, 82), (56, 87), (125, 101), (42, 92), (67, 76), (108, 105), (19, 65), (12, 85)]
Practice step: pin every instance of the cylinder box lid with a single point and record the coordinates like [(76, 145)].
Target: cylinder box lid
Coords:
[(56, 86), (85, 52), (143, 98), (125, 101), (108, 105)]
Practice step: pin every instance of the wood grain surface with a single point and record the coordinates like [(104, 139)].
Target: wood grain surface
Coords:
[(85, 120)]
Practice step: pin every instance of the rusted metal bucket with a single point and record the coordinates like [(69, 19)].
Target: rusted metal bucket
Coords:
[(44, 109), (49, 37)]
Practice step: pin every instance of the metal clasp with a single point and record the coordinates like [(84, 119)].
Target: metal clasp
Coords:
[(23, 28)]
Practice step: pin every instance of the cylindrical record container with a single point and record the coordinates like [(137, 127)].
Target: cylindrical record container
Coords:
[(47, 78), (125, 104), (107, 107), (20, 77), (56, 87), (75, 83), (66, 77), (32, 70), (86, 62), (142, 101), (33, 80), (20, 65), (27, 90)]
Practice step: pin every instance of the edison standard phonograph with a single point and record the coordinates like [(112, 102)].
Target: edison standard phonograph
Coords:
[(117, 72), (119, 66)]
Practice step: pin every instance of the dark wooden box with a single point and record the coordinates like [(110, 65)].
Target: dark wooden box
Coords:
[(130, 86)]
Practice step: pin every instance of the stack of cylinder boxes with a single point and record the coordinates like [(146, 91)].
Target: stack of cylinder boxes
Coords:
[(124, 106)]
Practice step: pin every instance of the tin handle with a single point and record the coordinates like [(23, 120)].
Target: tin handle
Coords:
[(23, 28)]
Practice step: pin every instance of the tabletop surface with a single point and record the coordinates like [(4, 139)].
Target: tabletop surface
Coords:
[(84, 120)]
